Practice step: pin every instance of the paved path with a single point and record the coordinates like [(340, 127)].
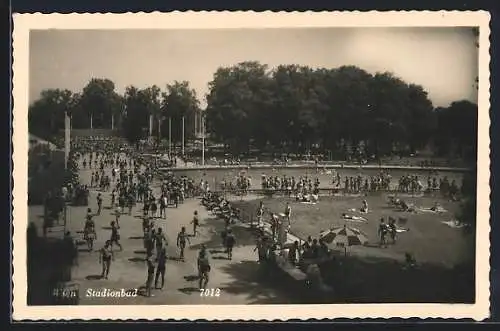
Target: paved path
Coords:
[(240, 280)]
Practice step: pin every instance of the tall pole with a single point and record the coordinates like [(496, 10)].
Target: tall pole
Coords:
[(150, 125), (91, 120), (170, 136), (183, 136), (202, 140), (112, 121), (67, 138), (159, 129)]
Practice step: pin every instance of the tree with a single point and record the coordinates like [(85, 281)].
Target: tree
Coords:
[(235, 101), (456, 132), (46, 115), (100, 101), (179, 101), (136, 114), (421, 117), (295, 108)]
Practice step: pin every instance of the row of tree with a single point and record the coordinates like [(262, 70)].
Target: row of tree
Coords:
[(294, 108), (288, 109), (99, 106)]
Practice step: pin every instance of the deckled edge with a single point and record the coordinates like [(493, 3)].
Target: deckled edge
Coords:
[(407, 319)]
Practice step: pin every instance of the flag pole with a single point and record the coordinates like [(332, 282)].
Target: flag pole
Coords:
[(183, 133), (170, 136), (202, 140), (67, 138)]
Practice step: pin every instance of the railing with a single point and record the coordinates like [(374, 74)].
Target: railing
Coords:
[(262, 165), (322, 192)]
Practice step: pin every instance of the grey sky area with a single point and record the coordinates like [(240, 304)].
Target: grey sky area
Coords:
[(443, 60)]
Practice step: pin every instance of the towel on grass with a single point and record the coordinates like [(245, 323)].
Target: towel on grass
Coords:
[(454, 224)]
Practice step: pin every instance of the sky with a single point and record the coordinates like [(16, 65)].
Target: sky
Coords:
[(443, 60)]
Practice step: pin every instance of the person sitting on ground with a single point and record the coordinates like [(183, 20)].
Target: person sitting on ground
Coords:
[(314, 198), (364, 207), (436, 207)]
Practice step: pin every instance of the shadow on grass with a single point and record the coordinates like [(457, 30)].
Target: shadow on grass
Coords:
[(140, 252), (191, 278), (136, 237), (260, 283), (386, 280), (137, 259), (189, 290), (106, 228), (93, 277), (220, 258), (217, 251), (174, 258), (243, 236), (354, 280)]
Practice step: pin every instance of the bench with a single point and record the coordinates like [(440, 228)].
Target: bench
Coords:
[(289, 269), (294, 272)]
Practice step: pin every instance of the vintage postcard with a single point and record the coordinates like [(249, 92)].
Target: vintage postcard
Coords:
[(251, 166)]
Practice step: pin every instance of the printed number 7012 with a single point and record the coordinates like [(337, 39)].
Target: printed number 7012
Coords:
[(210, 292)]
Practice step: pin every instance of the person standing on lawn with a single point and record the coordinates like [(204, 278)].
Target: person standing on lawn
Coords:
[(288, 215), (382, 232), (230, 241)]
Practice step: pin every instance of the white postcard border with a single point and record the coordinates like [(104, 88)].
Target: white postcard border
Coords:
[(23, 23)]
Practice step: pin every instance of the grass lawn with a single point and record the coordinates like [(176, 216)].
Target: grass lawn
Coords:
[(374, 274)]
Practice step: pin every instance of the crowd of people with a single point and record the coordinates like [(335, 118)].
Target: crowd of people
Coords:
[(125, 177)]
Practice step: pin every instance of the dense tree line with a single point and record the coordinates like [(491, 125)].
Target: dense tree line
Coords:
[(99, 106), (296, 108), (290, 108)]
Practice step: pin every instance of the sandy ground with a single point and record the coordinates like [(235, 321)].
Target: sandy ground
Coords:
[(237, 279)]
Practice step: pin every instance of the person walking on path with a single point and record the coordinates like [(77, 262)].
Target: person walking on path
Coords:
[(203, 267), (160, 268), (195, 222), (115, 236), (99, 203), (229, 243), (117, 217), (182, 237), (160, 242), (163, 206), (151, 273), (105, 257)]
